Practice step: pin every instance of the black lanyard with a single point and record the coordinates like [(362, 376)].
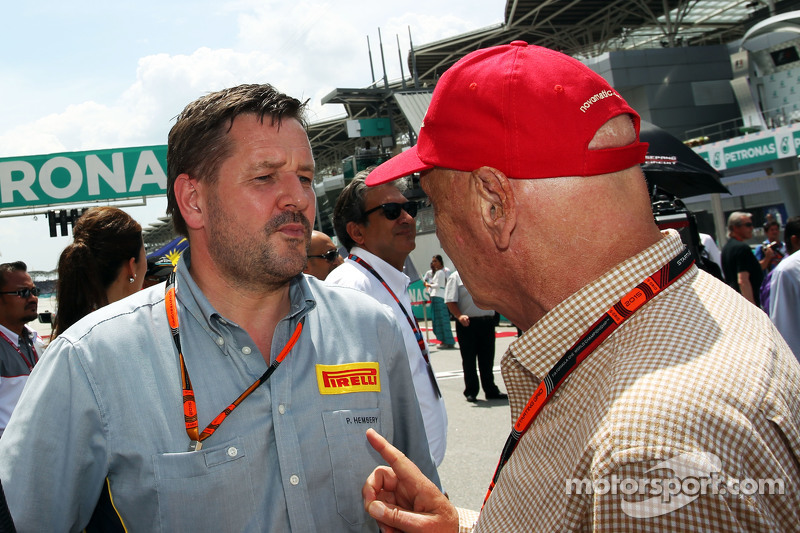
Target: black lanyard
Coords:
[(597, 333), (189, 405), (411, 322)]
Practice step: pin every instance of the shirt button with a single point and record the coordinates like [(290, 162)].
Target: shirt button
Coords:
[(220, 341), (246, 350), (294, 480), (281, 409), (233, 452)]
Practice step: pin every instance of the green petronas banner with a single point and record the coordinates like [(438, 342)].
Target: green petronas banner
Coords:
[(77, 177), (758, 147)]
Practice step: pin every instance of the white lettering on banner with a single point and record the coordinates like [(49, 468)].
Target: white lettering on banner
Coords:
[(23, 186), (750, 153), (60, 178), (46, 175), (147, 161), (96, 169), (416, 295)]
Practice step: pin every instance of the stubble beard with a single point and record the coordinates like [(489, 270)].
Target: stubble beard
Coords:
[(251, 260)]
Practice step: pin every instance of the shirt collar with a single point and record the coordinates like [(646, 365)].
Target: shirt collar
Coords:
[(540, 348), (396, 279), (13, 337), (195, 302)]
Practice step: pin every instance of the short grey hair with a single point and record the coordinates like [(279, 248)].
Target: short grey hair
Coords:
[(735, 219)]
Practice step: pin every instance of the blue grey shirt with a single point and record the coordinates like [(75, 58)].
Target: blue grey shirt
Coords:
[(104, 405)]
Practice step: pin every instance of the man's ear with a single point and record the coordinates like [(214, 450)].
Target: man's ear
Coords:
[(190, 201), (496, 202), (355, 230)]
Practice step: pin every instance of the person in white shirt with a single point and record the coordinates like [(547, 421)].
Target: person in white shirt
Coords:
[(476, 340), (376, 225), (429, 274), (441, 316), (711, 248), (784, 299)]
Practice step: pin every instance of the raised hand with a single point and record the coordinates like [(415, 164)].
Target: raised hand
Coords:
[(401, 498)]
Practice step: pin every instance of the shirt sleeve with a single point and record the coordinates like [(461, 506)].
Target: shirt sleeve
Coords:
[(438, 280), (451, 290), (56, 427), (466, 519), (784, 298), (10, 391)]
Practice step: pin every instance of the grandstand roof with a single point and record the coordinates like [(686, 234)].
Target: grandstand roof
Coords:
[(586, 28), (580, 28)]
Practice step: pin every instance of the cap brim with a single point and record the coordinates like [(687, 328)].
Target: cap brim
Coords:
[(403, 164)]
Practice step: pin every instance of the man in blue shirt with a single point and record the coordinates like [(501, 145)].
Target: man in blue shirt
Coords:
[(771, 251), (226, 399)]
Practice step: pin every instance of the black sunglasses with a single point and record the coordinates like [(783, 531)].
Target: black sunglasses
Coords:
[(329, 256), (24, 293), (392, 210)]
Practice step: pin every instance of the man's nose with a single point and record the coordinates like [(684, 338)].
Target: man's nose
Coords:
[(293, 192)]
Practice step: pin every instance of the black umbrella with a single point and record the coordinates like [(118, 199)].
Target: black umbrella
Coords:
[(674, 167)]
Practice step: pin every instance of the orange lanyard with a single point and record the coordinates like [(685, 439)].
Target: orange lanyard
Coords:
[(189, 405), (610, 321)]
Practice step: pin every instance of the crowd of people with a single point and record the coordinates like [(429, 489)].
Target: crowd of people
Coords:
[(761, 275), (244, 395)]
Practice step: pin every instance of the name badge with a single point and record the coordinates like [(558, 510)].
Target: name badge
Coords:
[(352, 377)]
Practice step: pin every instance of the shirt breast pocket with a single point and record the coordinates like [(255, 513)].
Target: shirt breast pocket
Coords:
[(185, 480), (352, 458)]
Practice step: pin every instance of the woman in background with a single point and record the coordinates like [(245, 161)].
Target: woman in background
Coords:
[(441, 316), (105, 263)]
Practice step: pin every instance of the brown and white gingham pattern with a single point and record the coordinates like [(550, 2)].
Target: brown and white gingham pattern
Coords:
[(698, 369)]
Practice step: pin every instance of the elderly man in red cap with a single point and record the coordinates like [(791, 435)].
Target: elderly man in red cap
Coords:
[(645, 394)]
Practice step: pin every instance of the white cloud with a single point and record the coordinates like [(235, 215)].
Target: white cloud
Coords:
[(116, 99), (305, 49)]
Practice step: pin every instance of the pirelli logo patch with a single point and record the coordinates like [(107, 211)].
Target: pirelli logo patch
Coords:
[(352, 377)]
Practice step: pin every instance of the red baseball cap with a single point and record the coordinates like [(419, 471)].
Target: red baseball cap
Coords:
[(525, 110)]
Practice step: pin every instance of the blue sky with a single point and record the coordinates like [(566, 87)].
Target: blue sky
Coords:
[(86, 75)]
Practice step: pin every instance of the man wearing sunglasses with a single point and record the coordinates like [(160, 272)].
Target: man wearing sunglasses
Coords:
[(376, 225), (323, 256), (739, 264), (20, 346)]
